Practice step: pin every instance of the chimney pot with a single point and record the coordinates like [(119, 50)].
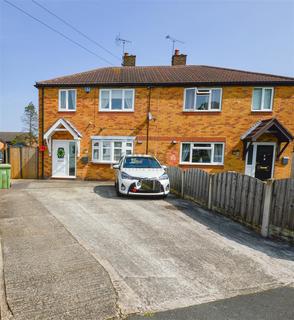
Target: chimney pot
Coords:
[(177, 51)]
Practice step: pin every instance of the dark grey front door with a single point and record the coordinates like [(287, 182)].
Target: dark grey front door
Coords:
[(264, 162)]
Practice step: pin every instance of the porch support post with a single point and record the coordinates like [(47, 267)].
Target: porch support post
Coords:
[(283, 149), (246, 148)]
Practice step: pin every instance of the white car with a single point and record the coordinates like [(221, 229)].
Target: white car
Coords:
[(141, 175)]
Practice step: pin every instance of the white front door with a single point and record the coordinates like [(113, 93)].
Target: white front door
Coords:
[(63, 160)]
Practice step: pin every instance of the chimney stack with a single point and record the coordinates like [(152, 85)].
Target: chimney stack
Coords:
[(129, 60), (179, 59)]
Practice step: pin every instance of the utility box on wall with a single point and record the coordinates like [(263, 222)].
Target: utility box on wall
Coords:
[(285, 160)]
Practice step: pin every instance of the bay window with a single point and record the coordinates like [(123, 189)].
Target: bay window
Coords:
[(262, 99), (110, 150), (196, 99), (116, 100), (202, 153)]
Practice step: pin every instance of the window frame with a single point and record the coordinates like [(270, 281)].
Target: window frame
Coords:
[(109, 90), (112, 148), (262, 100), (212, 148), (195, 98), (66, 100)]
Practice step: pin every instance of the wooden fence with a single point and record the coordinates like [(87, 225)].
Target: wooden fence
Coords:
[(266, 207), (24, 162)]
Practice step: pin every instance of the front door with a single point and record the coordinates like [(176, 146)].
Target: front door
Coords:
[(264, 162), (260, 160), (64, 159)]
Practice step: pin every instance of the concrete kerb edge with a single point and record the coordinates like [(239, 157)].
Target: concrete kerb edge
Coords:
[(5, 311)]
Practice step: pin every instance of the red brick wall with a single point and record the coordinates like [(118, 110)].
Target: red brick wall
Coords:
[(169, 123)]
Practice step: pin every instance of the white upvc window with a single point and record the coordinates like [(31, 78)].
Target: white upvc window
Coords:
[(110, 150), (67, 100), (205, 153), (262, 99), (116, 100), (202, 99)]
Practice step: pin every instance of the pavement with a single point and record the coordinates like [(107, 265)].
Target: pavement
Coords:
[(73, 250), (272, 304)]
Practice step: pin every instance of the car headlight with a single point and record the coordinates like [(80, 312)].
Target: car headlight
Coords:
[(163, 177), (126, 176)]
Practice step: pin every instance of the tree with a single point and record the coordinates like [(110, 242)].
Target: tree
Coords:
[(30, 122)]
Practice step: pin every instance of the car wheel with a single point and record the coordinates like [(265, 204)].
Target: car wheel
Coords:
[(117, 190), (164, 196)]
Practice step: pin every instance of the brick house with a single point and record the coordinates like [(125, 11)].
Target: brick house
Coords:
[(186, 115)]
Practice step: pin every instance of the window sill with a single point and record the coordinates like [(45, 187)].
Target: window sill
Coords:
[(67, 110), (201, 164), (261, 111), (201, 112), (115, 111), (104, 162)]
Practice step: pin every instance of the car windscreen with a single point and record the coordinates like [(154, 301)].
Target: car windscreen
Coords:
[(141, 162)]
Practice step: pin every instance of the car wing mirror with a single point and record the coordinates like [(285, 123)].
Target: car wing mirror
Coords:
[(164, 167), (115, 166)]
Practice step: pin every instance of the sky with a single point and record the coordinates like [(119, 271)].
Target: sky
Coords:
[(247, 35)]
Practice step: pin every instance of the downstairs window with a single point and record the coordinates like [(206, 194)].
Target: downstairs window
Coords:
[(202, 153), (110, 151)]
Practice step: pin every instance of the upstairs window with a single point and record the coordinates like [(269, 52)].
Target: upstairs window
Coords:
[(202, 153), (202, 99), (116, 100), (262, 99), (67, 100), (110, 151)]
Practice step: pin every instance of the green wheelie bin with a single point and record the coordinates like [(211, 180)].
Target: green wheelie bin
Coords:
[(5, 171)]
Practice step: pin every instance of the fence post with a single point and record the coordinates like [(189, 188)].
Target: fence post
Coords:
[(182, 182), (266, 208), (209, 205)]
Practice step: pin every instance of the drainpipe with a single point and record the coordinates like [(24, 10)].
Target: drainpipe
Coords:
[(42, 130), (148, 120)]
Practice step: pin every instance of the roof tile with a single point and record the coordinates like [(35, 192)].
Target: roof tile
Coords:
[(166, 75)]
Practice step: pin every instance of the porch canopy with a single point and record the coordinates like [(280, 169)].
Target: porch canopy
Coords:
[(65, 126), (270, 126)]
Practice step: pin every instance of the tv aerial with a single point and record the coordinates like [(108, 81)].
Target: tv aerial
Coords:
[(173, 40), (120, 41)]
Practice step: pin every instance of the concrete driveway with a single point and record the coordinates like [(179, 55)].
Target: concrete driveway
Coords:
[(159, 254)]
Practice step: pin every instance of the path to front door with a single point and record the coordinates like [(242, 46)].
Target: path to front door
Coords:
[(64, 159), (260, 160)]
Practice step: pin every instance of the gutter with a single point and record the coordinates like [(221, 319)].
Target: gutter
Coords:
[(148, 120), (166, 84)]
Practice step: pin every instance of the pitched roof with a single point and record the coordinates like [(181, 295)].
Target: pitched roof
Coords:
[(8, 137), (271, 125), (166, 75)]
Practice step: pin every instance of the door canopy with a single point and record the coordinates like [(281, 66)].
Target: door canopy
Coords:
[(65, 126), (271, 126)]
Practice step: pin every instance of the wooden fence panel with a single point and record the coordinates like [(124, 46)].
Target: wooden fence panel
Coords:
[(15, 161), (175, 177), (24, 162), (282, 209), (238, 196), (196, 185), (29, 162)]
